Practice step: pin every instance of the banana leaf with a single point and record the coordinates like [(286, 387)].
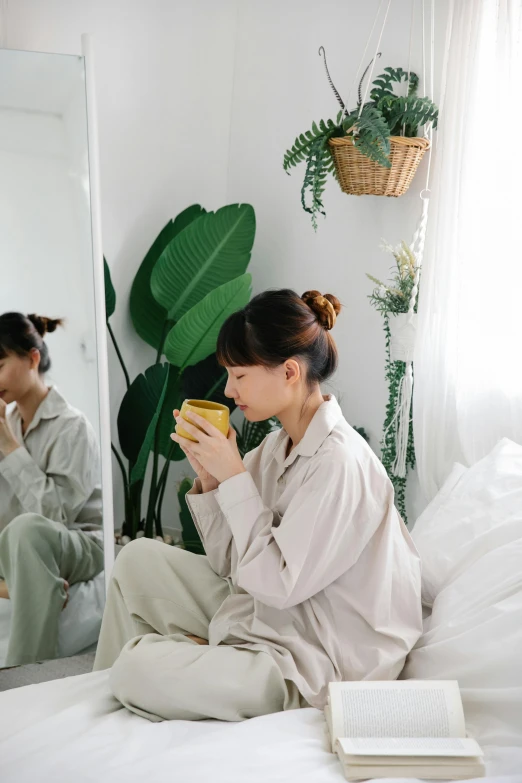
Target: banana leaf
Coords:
[(207, 254), (147, 315), (173, 399), (189, 532), (253, 433), (139, 406), (194, 336), (206, 380), (110, 293), (138, 471)]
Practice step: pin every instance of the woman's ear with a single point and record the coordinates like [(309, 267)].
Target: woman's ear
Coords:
[(292, 370), (35, 357)]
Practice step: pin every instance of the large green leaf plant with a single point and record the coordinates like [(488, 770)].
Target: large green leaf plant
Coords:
[(192, 278)]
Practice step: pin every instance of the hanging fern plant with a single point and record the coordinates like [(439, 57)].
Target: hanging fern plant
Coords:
[(369, 125)]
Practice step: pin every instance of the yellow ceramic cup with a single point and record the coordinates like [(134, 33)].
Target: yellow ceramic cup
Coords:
[(214, 412)]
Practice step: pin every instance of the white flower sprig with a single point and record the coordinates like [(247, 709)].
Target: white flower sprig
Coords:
[(394, 297)]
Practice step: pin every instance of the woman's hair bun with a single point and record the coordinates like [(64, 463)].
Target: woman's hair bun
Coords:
[(326, 307), (44, 325)]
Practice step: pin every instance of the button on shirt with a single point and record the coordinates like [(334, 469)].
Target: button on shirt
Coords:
[(56, 470), (323, 573)]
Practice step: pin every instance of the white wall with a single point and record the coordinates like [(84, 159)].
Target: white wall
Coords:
[(163, 86), (280, 87), (198, 101)]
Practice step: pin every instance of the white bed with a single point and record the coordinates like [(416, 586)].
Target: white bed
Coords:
[(73, 730)]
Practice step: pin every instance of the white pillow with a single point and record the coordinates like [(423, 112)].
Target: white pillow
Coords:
[(447, 488), (477, 510), (474, 635)]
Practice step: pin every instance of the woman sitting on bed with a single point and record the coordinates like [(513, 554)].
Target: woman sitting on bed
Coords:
[(50, 494), (310, 575)]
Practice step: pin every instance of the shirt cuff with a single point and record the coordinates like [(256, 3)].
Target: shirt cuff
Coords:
[(236, 490), (12, 465), (244, 510), (202, 504)]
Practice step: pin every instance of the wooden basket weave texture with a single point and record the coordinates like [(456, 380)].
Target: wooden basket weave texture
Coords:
[(360, 176)]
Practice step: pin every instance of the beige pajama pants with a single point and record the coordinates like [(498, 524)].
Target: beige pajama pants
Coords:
[(157, 595), (36, 556)]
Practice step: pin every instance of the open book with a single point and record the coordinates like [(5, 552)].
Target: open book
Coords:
[(409, 728)]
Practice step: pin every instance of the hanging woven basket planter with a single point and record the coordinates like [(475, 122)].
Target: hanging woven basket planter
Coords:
[(360, 176), (391, 136)]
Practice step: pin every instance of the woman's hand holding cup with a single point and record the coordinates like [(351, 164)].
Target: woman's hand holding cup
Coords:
[(208, 482), (210, 448), (8, 442)]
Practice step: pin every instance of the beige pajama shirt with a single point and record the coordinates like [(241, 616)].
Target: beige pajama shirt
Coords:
[(50, 521), (313, 567)]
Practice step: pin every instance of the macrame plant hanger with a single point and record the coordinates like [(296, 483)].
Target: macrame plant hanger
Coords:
[(403, 349), (403, 331)]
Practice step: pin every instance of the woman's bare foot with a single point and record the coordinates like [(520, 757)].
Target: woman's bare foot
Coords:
[(4, 592), (197, 639)]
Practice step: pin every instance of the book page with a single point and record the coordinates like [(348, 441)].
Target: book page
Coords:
[(406, 708), (413, 747), (452, 771)]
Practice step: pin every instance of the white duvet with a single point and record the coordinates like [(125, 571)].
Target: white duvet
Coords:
[(470, 541), (73, 731)]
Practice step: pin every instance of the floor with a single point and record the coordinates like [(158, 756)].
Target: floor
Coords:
[(19, 676)]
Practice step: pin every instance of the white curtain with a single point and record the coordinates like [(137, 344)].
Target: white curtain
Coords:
[(468, 355)]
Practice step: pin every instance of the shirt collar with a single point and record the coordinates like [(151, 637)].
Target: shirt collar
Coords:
[(323, 422), (52, 406)]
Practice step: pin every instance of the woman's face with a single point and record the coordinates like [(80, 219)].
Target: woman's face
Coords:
[(17, 375), (263, 392)]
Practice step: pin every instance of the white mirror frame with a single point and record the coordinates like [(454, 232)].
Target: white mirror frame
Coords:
[(99, 302)]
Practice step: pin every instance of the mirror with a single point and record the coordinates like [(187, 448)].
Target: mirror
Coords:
[(51, 538)]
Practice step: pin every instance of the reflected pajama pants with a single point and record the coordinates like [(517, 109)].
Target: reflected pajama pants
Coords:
[(36, 556), (157, 595)]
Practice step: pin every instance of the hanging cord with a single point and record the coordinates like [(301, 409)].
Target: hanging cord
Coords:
[(432, 50), (409, 61), (401, 420), (420, 233), (344, 109), (423, 51), (428, 127), (363, 58), (368, 83)]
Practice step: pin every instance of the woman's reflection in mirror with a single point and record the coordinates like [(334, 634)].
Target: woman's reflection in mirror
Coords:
[(50, 491)]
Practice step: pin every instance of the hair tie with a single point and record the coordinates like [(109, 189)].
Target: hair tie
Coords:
[(321, 307), (325, 303)]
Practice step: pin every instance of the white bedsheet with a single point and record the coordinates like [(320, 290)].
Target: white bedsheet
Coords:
[(73, 731)]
